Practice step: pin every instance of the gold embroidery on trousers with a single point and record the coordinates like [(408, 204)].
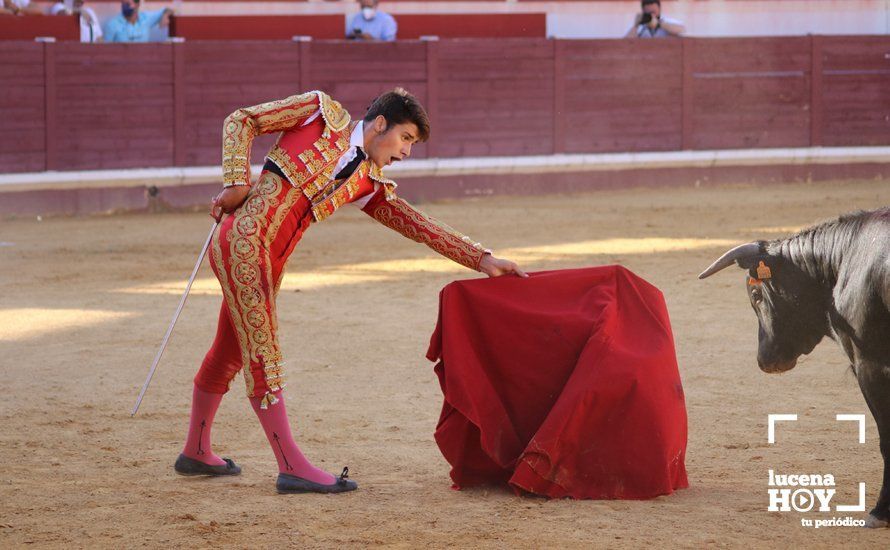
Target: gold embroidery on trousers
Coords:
[(253, 311)]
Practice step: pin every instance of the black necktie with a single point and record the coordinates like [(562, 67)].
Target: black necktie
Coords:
[(351, 165)]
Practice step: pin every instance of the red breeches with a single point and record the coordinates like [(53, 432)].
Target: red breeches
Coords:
[(248, 255)]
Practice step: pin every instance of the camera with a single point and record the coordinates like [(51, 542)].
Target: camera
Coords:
[(646, 18)]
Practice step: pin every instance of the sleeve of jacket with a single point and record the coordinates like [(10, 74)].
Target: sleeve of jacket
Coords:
[(400, 216), (245, 124)]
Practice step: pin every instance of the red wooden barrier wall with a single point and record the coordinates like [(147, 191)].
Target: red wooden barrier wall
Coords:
[(472, 25), (750, 97), (855, 90), (256, 27), (23, 105), (82, 106), (29, 27), (411, 26), (495, 97), (113, 106), (619, 95)]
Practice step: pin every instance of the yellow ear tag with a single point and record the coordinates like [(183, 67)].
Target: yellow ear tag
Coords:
[(763, 271)]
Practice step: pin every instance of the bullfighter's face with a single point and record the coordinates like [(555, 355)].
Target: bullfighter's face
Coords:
[(386, 144)]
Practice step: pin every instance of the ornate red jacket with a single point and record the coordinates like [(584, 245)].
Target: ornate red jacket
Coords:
[(308, 154)]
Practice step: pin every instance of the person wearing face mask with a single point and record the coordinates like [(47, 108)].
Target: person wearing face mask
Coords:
[(371, 24), (90, 29), (131, 25)]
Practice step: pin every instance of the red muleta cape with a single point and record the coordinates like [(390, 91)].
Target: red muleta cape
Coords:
[(564, 384)]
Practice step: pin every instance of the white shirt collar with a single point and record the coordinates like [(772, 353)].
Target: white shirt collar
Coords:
[(357, 138)]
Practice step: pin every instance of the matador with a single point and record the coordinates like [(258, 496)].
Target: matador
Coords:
[(321, 161)]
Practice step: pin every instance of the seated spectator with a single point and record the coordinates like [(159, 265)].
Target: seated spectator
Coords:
[(19, 7), (371, 24), (649, 23), (132, 26), (90, 29)]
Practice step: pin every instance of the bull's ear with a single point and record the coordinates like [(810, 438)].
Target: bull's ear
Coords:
[(739, 254)]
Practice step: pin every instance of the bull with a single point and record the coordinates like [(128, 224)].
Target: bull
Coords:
[(832, 279)]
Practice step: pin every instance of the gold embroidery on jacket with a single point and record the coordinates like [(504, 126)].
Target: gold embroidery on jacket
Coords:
[(312, 160), (317, 183), (389, 186), (417, 226), (243, 125), (295, 174), (335, 116), (338, 193), (331, 151)]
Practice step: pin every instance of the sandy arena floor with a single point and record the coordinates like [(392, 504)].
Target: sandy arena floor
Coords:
[(84, 303)]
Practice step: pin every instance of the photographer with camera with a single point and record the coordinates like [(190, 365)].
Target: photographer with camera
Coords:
[(649, 23)]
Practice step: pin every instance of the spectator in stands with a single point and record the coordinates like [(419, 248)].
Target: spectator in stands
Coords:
[(19, 7), (649, 23), (371, 24), (132, 26), (90, 29)]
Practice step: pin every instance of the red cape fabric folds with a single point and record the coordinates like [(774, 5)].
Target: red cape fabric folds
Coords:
[(564, 384)]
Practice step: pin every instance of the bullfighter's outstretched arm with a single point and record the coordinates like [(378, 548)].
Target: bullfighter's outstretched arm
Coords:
[(400, 216)]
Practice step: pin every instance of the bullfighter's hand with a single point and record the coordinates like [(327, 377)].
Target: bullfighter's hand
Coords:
[(495, 267), (228, 200)]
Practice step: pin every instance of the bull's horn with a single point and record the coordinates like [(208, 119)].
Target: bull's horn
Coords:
[(742, 251)]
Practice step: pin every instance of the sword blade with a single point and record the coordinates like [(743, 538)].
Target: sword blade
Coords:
[(185, 295)]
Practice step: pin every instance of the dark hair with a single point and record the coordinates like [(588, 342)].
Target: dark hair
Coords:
[(647, 2), (399, 107)]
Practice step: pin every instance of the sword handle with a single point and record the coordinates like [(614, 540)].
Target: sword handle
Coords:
[(185, 295)]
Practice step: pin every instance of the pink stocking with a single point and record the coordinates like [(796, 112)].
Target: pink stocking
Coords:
[(197, 445), (290, 459)]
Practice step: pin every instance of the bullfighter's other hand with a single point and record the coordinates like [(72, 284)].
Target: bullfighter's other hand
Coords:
[(495, 267), (228, 200)]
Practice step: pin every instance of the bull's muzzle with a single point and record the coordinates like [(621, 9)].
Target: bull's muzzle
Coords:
[(773, 367)]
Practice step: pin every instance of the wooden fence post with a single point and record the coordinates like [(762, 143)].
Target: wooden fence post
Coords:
[(180, 148), (432, 91), (559, 97), (50, 104), (687, 95), (816, 107), (305, 45)]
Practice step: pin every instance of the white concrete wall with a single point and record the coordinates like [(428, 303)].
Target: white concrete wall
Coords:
[(604, 19)]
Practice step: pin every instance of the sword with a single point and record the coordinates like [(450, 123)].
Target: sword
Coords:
[(154, 365)]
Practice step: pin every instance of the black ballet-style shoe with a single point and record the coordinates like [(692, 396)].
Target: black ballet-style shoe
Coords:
[(288, 484), (186, 466)]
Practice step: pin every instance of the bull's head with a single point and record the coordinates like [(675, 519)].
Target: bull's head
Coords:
[(791, 306)]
